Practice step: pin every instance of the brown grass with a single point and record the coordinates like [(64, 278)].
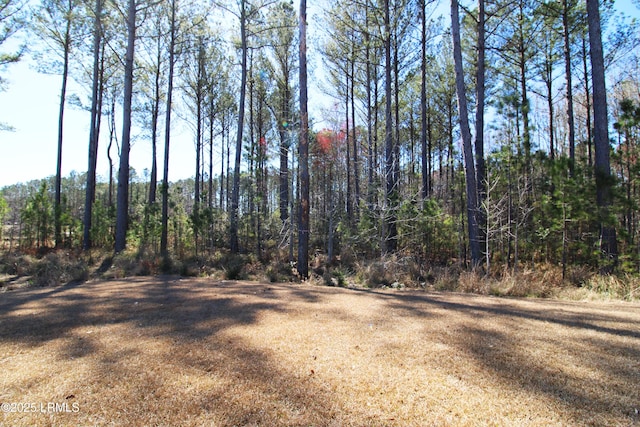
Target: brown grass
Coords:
[(170, 351)]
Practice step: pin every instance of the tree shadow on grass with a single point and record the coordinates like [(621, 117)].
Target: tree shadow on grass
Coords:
[(165, 351), (597, 381), (174, 362), (419, 304), (15, 298), (589, 388), (41, 315)]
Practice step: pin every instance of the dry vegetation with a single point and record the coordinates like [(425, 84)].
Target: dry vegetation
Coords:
[(51, 268), (175, 351)]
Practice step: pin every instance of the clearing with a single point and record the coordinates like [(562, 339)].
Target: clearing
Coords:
[(170, 351)]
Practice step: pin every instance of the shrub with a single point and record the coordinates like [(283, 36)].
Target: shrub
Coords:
[(393, 269), (17, 265), (279, 272), (376, 274), (335, 277), (58, 267), (233, 266), (473, 282), (626, 287), (444, 278)]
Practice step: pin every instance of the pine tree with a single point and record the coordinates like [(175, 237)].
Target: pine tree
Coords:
[(303, 147), (604, 180), (122, 212), (470, 173)]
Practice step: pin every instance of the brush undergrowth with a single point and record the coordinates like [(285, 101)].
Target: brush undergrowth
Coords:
[(543, 281), (52, 268)]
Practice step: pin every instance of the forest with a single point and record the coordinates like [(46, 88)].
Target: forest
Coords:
[(491, 136)]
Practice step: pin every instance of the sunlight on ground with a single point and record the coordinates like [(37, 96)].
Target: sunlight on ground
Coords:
[(171, 351)]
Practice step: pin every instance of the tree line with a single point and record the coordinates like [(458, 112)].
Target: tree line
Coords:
[(499, 134)]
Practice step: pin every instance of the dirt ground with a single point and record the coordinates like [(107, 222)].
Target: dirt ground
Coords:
[(169, 351)]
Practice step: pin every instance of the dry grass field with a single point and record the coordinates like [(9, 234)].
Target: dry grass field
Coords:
[(169, 352)]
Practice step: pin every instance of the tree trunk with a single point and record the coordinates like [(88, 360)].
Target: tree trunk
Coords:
[(211, 197), (57, 208), (122, 212), (604, 180), (370, 187), (235, 197), (252, 151), (112, 138), (423, 101), (222, 157), (567, 68), (481, 179), (93, 130), (227, 182), (347, 136), (548, 80), (284, 156), (470, 175), (390, 229), (396, 123), (376, 115), (164, 236), (356, 167), (526, 131), (303, 147), (199, 98), (524, 99), (155, 113), (429, 168)]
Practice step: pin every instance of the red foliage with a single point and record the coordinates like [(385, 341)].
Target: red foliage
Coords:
[(342, 135), (326, 140)]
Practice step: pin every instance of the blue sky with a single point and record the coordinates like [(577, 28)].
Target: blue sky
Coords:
[(30, 105)]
